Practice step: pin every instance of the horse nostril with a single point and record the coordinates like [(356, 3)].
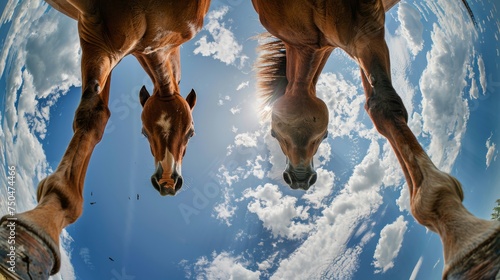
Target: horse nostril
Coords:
[(287, 178), (154, 182), (313, 179), (178, 183)]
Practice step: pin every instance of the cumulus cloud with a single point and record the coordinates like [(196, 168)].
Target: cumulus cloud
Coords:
[(40, 61), (224, 46), (344, 103), (247, 139), (389, 244), (411, 27), (323, 187), (224, 266), (369, 173), (445, 112), (403, 201), (225, 210), (278, 213), (255, 167), (491, 154), (324, 253)]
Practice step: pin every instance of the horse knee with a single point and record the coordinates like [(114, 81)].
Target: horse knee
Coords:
[(92, 114), (385, 107)]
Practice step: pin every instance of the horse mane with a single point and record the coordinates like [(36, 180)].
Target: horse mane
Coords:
[(271, 72)]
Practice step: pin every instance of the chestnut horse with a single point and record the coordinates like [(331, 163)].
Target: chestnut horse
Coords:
[(288, 68), (153, 32)]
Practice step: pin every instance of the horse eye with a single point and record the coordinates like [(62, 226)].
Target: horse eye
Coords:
[(326, 135), (143, 132), (273, 134), (191, 133)]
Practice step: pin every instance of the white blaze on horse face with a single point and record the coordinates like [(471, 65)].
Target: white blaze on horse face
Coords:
[(168, 162)]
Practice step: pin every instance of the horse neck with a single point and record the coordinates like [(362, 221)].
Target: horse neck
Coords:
[(164, 69)]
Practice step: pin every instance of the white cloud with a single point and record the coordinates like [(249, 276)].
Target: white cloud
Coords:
[(389, 244), (40, 60), (268, 263), (278, 213), (393, 175), (235, 110), (67, 271), (243, 85), (403, 201), (416, 269), (399, 50), (474, 90), (415, 124), (323, 187), (255, 167), (491, 154), (226, 176), (246, 139), (323, 155), (369, 173), (225, 210), (444, 110), (85, 255), (411, 27), (344, 103), (224, 266), (482, 73), (224, 46), (324, 253)]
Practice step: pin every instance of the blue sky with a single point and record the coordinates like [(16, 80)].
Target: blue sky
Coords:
[(235, 217)]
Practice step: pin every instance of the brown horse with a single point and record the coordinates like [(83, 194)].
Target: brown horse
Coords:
[(288, 69), (153, 32)]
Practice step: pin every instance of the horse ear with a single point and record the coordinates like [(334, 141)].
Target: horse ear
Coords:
[(191, 99), (143, 95)]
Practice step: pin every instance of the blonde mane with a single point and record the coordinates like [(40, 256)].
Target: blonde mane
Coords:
[(271, 72)]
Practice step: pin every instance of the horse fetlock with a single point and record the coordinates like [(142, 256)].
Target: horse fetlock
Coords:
[(434, 199), (57, 192)]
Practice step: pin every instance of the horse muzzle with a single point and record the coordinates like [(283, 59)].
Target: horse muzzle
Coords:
[(300, 177), (168, 186)]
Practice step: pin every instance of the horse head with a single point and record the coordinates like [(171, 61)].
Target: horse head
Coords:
[(299, 123), (167, 123)]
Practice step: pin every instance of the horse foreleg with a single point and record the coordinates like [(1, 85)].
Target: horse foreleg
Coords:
[(471, 245), (60, 195)]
